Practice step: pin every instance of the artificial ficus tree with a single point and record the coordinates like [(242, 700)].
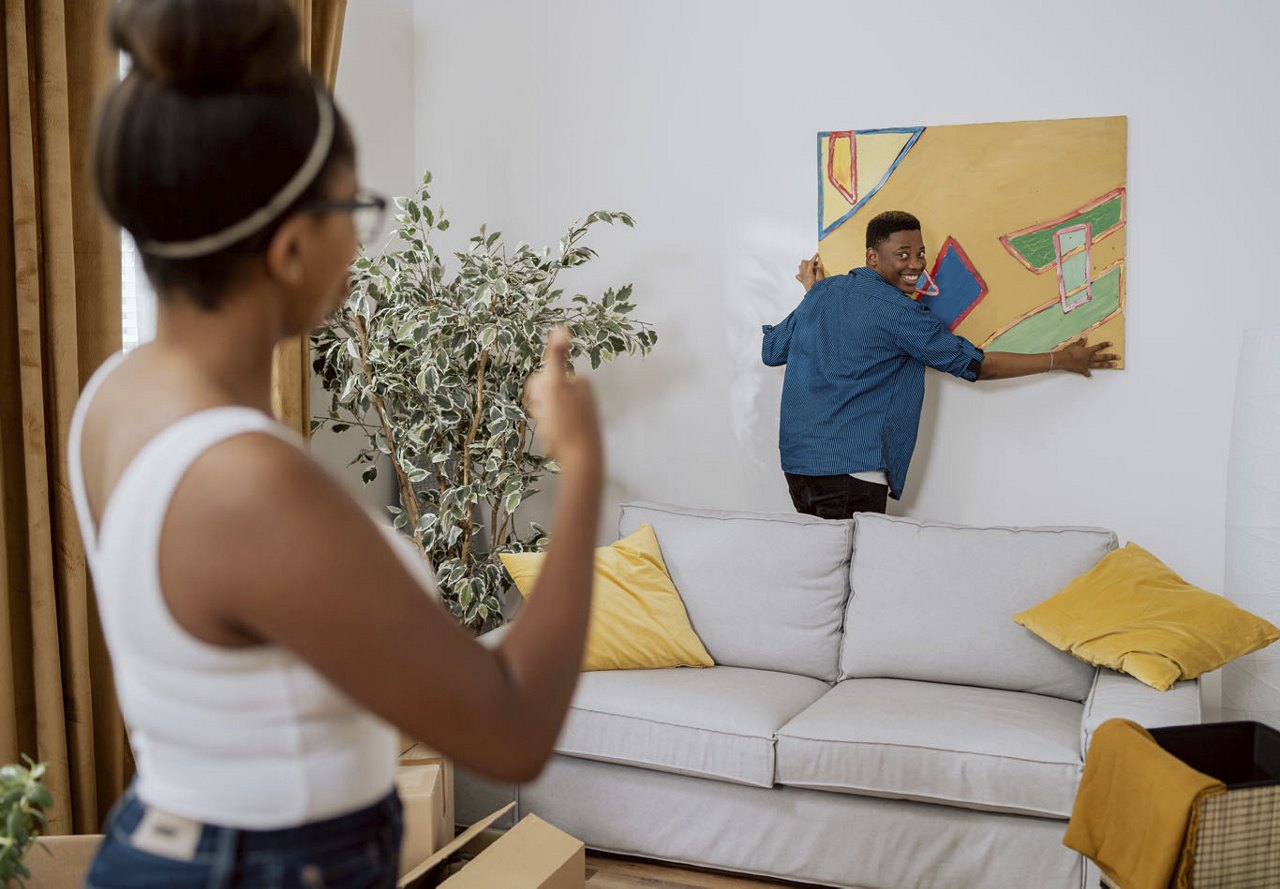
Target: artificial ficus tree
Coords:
[(431, 366)]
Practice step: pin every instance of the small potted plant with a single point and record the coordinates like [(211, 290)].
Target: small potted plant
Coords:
[(23, 800)]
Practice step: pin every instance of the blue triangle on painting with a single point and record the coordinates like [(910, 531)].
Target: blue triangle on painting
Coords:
[(957, 286)]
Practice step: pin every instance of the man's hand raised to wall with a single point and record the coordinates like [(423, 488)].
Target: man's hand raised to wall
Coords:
[(811, 272), (1083, 359)]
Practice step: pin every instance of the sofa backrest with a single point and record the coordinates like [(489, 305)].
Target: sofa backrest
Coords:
[(934, 602), (762, 590)]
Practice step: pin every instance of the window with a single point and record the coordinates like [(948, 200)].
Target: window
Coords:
[(137, 300)]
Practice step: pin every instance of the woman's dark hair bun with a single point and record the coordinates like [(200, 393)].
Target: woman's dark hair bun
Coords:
[(210, 46)]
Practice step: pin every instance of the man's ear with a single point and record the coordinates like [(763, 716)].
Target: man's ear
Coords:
[(873, 260), (285, 252)]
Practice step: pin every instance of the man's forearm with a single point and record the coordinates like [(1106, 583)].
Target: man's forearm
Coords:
[(1003, 365)]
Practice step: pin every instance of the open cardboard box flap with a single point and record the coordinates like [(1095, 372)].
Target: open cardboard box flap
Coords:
[(531, 855), (61, 862), (415, 876)]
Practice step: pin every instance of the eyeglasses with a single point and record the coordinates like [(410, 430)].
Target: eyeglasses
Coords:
[(368, 212)]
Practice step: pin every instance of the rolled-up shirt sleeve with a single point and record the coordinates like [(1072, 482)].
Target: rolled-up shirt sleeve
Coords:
[(921, 334), (777, 341)]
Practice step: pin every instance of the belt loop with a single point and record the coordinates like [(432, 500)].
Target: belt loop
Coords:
[(226, 844)]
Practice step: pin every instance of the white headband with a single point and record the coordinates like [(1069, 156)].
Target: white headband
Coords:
[(260, 218)]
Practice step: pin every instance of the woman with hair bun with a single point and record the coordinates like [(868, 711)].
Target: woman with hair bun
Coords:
[(267, 636)]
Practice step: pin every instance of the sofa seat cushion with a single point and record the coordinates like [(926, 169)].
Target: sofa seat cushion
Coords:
[(977, 748), (715, 722)]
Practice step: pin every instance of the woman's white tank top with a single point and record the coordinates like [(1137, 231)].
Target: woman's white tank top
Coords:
[(244, 737)]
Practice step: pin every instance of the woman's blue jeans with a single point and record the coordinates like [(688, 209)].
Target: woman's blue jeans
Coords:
[(141, 851)]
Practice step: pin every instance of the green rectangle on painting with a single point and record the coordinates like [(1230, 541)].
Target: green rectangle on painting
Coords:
[(1075, 271), (1068, 241), (1051, 327), (1037, 247)]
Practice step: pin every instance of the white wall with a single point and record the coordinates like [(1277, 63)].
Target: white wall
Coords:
[(375, 92), (698, 117)]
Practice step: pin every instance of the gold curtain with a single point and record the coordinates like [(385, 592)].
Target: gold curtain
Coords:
[(321, 22), (59, 318)]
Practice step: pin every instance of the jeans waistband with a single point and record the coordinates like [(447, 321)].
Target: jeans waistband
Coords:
[(212, 836)]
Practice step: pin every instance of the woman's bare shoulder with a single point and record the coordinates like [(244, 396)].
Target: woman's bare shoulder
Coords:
[(142, 396)]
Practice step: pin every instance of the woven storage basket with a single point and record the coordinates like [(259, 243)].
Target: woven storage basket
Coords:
[(1238, 842)]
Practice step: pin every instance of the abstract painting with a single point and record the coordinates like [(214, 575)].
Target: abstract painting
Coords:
[(1024, 222)]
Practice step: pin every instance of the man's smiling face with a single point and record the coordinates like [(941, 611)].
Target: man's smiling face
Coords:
[(899, 259)]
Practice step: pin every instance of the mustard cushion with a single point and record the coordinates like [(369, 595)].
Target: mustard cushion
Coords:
[(1131, 613), (638, 620)]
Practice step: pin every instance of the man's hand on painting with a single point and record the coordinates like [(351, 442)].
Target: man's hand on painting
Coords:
[(1083, 359), (1076, 358), (811, 272)]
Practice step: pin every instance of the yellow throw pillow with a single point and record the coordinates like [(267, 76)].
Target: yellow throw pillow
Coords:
[(638, 621), (1131, 613)]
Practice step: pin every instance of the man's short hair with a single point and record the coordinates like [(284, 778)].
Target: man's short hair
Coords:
[(882, 226)]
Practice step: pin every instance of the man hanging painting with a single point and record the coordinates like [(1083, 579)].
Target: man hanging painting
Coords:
[(1024, 223)]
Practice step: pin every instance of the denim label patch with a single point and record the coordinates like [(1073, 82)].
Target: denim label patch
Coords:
[(166, 835)]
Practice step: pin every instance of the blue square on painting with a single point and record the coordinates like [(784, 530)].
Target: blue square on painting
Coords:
[(959, 288)]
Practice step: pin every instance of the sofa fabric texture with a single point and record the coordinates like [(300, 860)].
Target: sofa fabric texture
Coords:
[(979, 748), (762, 591), (934, 602), (1117, 696), (715, 722), (831, 839)]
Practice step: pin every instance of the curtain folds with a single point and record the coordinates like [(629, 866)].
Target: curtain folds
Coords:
[(322, 22), (59, 319)]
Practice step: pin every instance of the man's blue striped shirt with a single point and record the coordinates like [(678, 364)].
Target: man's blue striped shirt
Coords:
[(855, 350)]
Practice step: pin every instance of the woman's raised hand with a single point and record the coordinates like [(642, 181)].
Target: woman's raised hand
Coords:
[(562, 405)]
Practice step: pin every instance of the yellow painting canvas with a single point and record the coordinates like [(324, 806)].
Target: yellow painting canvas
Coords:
[(1024, 222)]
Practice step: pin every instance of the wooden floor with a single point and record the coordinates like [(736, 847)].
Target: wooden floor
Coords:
[(612, 872)]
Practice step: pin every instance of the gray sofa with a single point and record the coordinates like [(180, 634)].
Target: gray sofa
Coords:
[(874, 719)]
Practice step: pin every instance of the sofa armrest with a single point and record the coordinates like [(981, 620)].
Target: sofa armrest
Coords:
[(1117, 695)]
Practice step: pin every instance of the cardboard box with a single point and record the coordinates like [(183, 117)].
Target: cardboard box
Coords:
[(426, 828), (61, 862), (419, 754), (531, 855)]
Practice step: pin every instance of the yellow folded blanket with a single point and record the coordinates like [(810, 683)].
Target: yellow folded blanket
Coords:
[(1137, 808)]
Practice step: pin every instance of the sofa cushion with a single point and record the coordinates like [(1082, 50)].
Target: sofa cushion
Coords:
[(762, 590), (1131, 613), (978, 748), (716, 722), (935, 602), (637, 619)]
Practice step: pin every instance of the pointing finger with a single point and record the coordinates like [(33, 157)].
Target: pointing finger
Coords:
[(556, 352)]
